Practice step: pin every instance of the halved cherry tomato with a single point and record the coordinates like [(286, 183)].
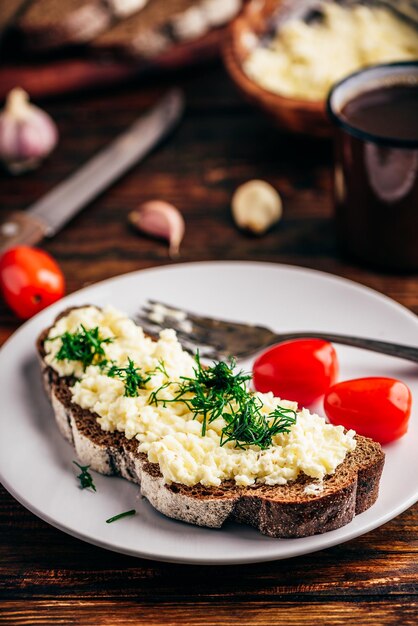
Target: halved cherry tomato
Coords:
[(378, 408), (300, 370), (30, 280)]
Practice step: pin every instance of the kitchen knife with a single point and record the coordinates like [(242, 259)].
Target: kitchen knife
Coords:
[(46, 216)]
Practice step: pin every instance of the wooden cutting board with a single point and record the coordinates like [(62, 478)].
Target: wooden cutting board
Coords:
[(50, 78)]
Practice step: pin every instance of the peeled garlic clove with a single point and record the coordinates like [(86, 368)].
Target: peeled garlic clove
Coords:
[(160, 219), (27, 134), (256, 206)]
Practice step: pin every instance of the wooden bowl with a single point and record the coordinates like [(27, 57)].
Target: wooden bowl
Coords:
[(298, 116)]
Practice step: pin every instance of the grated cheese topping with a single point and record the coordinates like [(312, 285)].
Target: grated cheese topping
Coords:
[(169, 435)]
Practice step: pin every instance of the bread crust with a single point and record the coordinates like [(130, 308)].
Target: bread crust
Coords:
[(276, 511)]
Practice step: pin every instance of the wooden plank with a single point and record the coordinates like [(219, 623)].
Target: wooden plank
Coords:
[(383, 562), (72, 613)]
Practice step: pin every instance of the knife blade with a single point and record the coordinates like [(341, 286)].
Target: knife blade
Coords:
[(49, 214)]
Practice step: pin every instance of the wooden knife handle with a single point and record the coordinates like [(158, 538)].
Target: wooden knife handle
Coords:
[(20, 229)]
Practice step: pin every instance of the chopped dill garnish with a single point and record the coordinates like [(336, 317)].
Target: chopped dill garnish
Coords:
[(216, 391), (161, 368), (84, 345), (251, 427), (120, 516), (211, 390), (85, 478), (131, 376)]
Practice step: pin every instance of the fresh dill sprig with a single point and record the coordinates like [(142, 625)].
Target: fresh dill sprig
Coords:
[(281, 420), (161, 368), (216, 391), (85, 345), (85, 478), (153, 397), (249, 426), (210, 392), (120, 516), (131, 376)]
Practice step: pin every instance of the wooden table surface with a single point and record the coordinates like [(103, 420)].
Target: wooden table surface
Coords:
[(48, 577)]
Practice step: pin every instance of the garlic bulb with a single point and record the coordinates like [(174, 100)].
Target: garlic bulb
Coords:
[(160, 219), (256, 206), (27, 134)]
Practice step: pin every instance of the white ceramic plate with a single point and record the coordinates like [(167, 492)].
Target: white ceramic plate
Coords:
[(36, 463)]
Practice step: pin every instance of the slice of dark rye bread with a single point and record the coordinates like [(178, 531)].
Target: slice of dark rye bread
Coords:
[(50, 24), (277, 511), (162, 25), (145, 34)]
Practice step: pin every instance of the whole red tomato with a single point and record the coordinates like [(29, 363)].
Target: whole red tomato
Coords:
[(378, 408), (300, 370), (30, 280)]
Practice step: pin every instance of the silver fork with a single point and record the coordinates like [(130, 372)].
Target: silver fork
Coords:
[(218, 339)]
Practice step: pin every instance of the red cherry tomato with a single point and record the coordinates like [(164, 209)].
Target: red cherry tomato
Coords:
[(378, 408), (30, 280), (300, 370)]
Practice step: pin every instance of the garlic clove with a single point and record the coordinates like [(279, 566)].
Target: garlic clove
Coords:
[(162, 220), (27, 134), (256, 206)]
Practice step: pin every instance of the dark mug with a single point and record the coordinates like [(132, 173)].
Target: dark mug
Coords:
[(376, 166)]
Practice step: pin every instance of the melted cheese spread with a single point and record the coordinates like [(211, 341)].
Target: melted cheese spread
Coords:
[(169, 435), (305, 60)]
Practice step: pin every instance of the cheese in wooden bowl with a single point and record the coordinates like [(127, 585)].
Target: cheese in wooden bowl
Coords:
[(286, 55)]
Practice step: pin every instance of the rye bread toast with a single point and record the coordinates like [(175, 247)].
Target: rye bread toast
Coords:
[(162, 25), (145, 34), (277, 511), (50, 24)]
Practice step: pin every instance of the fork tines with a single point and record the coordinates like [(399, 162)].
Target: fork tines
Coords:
[(188, 343), (194, 331)]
